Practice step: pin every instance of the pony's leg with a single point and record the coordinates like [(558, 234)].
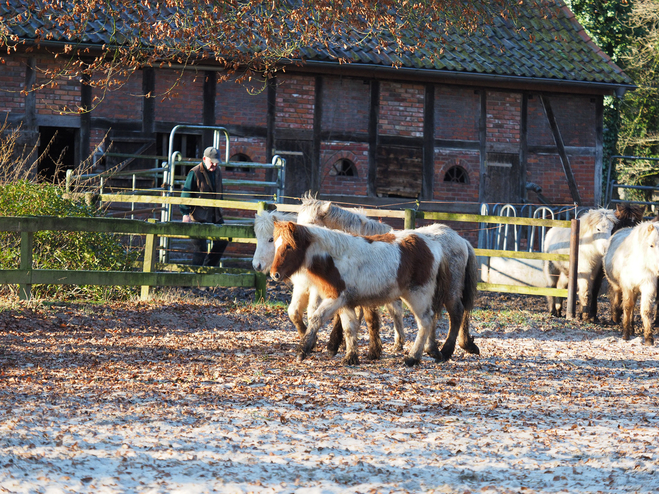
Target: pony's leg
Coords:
[(299, 302), (456, 312), (561, 283), (350, 325), (615, 298), (648, 311), (372, 318), (595, 291), (584, 288), (465, 340), (320, 317), (628, 303), (395, 310), (551, 276), (421, 307), (336, 336)]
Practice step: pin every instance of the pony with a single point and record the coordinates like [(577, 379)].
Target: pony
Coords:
[(631, 265), (304, 294), (628, 215), (430, 268), (324, 213), (594, 234)]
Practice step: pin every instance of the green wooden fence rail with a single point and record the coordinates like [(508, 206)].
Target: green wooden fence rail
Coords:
[(409, 216), (155, 274), (26, 275)]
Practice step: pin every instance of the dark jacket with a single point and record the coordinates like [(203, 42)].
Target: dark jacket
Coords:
[(200, 183)]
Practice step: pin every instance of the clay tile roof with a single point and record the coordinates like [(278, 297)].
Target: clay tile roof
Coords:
[(548, 45)]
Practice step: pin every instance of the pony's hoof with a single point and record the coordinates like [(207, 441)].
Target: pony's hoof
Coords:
[(472, 349), (301, 355), (332, 351), (373, 355), (411, 361), (351, 359), (649, 341), (398, 348), (440, 358)]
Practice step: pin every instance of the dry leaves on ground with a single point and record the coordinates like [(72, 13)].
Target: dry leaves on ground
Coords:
[(201, 394)]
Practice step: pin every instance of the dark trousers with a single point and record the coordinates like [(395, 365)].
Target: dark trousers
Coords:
[(202, 257)]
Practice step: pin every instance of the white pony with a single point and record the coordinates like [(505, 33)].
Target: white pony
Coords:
[(324, 213), (631, 265), (430, 268), (594, 234)]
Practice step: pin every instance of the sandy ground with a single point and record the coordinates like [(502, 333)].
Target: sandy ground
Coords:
[(200, 394)]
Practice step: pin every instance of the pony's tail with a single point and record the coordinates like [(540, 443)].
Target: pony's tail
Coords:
[(470, 288)]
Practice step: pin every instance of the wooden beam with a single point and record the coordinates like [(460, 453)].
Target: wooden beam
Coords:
[(428, 143), (558, 139), (315, 148), (373, 117)]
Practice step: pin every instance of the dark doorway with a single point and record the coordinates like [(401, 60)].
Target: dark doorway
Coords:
[(57, 149)]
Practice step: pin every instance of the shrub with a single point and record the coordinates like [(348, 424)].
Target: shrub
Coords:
[(61, 250)]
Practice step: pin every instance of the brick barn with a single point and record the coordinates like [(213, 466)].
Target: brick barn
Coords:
[(503, 115)]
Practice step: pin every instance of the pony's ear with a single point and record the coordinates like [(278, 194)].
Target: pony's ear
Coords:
[(325, 208), (651, 227)]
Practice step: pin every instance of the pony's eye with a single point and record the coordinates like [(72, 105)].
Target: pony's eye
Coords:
[(271, 239)]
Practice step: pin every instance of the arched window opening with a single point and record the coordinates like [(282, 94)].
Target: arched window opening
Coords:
[(457, 175), (240, 157), (344, 168)]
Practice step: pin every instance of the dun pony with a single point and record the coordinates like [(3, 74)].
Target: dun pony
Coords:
[(631, 265), (430, 268), (323, 213), (628, 215), (594, 234)]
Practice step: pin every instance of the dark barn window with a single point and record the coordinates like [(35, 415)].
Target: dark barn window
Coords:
[(457, 175), (344, 168), (238, 158)]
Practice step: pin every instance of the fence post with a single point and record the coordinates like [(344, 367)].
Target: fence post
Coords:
[(571, 309), (260, 283), (149, 260), (27, 243), (410, 219)]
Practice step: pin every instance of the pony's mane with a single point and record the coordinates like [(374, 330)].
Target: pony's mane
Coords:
[(628, 215), (592, 218), (264, 221), (349, 220)]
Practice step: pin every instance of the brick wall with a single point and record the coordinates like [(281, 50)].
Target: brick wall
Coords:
[(346, 105), (401, 109), (61, 97), (123, 103), (295, 102), (504, 112), (183, 103), (331, 152), (12, 82), (457, 112), (240, 104), (456, 192), (575, 116)]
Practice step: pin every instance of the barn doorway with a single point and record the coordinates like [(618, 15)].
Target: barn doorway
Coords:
[(57, 151), (500, 179)]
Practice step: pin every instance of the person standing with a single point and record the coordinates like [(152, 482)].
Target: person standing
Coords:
[(205, 181)]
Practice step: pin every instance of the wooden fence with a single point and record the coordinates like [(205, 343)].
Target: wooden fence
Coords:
[(154, 274)]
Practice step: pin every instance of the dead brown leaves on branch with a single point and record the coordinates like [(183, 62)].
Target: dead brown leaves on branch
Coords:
[(256, 36)]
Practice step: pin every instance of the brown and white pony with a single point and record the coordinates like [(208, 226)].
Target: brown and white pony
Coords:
[(323, 213), (430, 268), (594, 234), (631, 264), (305, 297)]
